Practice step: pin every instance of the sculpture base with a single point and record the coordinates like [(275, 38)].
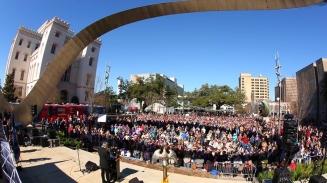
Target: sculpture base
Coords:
[(165, 180)]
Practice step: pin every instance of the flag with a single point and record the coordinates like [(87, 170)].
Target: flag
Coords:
[(15, 145)]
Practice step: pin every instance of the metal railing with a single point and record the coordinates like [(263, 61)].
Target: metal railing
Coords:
[(235, 169)]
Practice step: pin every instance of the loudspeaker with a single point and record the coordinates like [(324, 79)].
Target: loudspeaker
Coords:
[(35, 132), (134, 180), (44, 142), (36, 141), (281, 175), (90, 166), (20, 138), (52, 134), (317, 179)]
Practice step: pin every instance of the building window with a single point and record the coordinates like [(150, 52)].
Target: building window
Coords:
[(86, 96), (17, 55), (20, 42), (22, 75), (25, 57), (91, 61), (66, 76), (19, 91), (93, 49), (37, 46), (53, 48), (57, 34), (13, 72), (88, 77), (29, 44)]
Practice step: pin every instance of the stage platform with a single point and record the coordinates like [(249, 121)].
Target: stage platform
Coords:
[(60, 164)]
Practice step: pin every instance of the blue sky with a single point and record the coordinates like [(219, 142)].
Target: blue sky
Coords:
[(196, 48)]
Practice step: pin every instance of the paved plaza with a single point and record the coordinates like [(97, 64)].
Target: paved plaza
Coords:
[(60, 164)]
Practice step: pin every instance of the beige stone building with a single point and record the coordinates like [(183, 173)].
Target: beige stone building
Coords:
[(288, 90), (310, 101), (255, 88)]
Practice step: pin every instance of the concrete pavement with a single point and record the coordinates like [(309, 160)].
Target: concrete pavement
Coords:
[(60, 164)]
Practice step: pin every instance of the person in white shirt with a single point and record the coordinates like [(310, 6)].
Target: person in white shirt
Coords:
[(128, 154), (122, 153)]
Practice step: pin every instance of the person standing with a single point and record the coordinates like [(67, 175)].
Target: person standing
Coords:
[(104, 162)]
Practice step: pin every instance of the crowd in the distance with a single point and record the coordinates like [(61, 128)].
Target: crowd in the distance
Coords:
[(197, 136)]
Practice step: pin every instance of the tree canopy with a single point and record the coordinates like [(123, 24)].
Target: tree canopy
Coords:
[(154, 89), (9, 88), (208, 95), (150, 90)]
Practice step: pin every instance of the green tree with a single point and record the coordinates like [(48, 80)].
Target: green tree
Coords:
[(208, 95), (137, 90), (323, 84), (124, 89), (9, 88)]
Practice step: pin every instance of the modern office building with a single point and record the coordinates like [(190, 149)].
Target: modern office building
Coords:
[(288, 90), (171, 82), (310, 102), (255, 88), (32, 50)]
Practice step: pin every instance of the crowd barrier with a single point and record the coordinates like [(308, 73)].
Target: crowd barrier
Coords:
[(235, 169)]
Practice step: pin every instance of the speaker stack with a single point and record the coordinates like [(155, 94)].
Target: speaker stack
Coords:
[(36, 139), (44, 142), (52, 134), (35, 132)]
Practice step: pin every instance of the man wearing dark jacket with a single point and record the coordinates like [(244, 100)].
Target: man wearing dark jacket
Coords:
[(104, 161)]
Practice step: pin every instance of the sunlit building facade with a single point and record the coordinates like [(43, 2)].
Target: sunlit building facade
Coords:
[(31, 52)]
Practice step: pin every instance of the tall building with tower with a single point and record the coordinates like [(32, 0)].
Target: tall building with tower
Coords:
[(31, 52), (255, 88)]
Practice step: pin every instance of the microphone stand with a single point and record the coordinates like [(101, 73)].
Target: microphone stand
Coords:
[(79, 162)]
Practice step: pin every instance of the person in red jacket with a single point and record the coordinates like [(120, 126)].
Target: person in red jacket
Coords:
[(292, 165), (245, 139)]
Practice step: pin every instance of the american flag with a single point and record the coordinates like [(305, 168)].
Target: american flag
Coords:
[(15, 145)]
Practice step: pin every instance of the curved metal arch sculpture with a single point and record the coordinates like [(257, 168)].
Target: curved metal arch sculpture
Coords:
[(50, 77)]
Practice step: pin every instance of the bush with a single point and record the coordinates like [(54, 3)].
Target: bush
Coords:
[(68, 142), (265, 175), (301, 172)]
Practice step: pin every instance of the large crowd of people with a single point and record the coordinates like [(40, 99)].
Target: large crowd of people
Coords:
[(194, 136), (198, 136)]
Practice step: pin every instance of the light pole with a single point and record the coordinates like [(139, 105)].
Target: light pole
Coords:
[(279, 75), (106, 82)]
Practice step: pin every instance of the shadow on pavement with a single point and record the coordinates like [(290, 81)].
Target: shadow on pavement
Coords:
[(28, 151), (45, 173), (127, 171), (34, 160)]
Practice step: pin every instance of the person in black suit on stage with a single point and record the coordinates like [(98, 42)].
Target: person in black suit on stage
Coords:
[(104, 161)]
